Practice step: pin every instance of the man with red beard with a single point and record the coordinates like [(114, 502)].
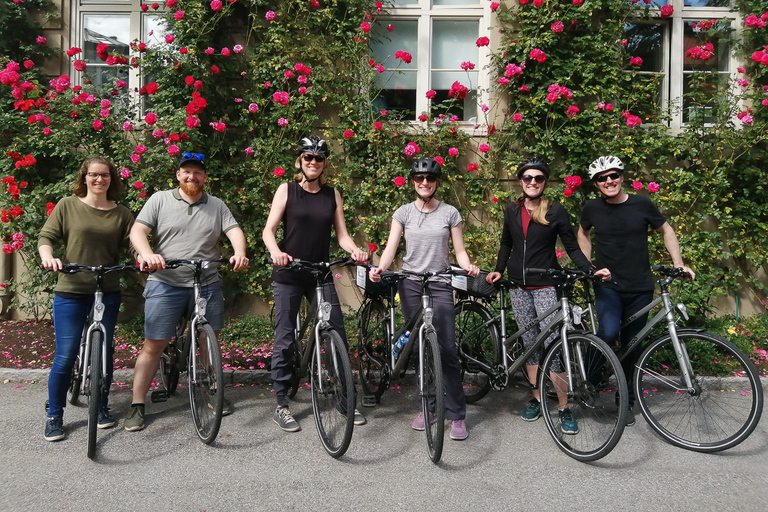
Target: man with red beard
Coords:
[(185, 223)]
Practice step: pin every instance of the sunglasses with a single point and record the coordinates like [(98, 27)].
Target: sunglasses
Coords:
[(317, 158), (421, 177), (602, 179), (539, 178), (194, 156)]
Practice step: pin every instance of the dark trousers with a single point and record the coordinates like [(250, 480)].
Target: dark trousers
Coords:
[(287, 304), (614, 308), (445, 324)]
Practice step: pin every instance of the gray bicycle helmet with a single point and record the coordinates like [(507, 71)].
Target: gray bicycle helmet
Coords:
[(533, 163), (313, 144), (426, 166), (603, 164)]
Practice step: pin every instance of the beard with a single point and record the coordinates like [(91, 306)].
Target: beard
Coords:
[(191, 189)]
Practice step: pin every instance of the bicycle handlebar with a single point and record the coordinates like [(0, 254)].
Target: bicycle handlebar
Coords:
[(74, 268), (673, 272), (176, 263), (563, 274), (297, 264), (402, 274)]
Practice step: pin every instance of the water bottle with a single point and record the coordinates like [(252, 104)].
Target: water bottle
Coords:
[(400, 343)]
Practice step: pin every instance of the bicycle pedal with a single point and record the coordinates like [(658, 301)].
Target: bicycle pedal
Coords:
[(159, 396), (368, 401)]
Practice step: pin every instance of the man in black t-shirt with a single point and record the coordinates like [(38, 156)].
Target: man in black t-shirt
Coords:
[(621, 222)]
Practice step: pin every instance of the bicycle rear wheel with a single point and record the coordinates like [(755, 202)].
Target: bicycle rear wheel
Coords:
[(169, 360), (95, 383), (599, 410), (725, 405), (478, 338), (73, 392), (301, 336), (206, 383), (432, 395), (333, 393), (373, 350)]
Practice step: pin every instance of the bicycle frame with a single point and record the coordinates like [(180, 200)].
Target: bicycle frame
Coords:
[(94, 324)]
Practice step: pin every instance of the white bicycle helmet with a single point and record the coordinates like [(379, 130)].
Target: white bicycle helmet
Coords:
[(605, 163)]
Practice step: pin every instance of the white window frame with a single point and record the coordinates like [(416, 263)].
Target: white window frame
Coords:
[(424, 13)]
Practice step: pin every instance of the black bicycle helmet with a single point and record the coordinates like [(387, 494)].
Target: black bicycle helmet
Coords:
[(426, 166), (532, 163), (313, 144)]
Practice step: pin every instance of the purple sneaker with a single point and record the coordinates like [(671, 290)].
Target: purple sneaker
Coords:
[(459, 430), (418, 423)]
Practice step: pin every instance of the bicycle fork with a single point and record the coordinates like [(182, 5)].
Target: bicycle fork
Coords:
[(97, 314), (201, 304), (324, 317), (427, 321), (680, 350)]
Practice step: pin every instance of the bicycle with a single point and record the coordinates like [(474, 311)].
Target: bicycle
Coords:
[(90, 369), (321, 352), (489, 356), (195, 347), (697, 390), (378, 363)]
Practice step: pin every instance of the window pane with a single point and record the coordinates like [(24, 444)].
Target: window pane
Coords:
[(444, 79), (386, 44), (692, 38), (155, 29), (455, 2), (406, 2), (705, 87), (453, 42), (646, 42), (465, 109), (111, 29), (652, 3), (707, 3)]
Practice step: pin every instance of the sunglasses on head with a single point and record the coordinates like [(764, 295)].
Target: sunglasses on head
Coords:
[(317, 158), (539, 178), (602, 179), (421, 177), (194, 156)]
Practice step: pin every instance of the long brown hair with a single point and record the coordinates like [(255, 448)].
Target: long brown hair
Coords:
[(115, 189)]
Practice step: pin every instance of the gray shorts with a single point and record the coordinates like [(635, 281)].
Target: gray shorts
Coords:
[(165, 305)]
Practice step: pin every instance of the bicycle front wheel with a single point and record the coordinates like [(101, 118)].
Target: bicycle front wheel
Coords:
[(206, 383), (721, 410), (95, 382), (333, 393), (373, 350), (477, 338), (597, 399), (432, 395)]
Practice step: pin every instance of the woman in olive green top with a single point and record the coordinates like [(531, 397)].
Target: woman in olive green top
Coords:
[(93, 229)]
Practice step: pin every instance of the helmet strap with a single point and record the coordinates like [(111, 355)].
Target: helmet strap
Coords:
[(306, 179)]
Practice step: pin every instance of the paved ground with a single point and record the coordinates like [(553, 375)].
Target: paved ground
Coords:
[(506, 464)]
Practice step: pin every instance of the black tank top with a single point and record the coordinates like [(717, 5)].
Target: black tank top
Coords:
[(307, 224)]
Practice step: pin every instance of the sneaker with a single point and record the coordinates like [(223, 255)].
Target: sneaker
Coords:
[(105, 419), (54, 429), (567, 424), (418, 423), (458, 430), (533, 411), (284, 420), (135, 421), (226, 407), (359, 418), (630, 418)]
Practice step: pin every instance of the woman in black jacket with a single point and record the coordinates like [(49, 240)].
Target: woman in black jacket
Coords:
[(531, 226)]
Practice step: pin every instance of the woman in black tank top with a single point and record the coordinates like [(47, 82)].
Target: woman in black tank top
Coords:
[(308, 209)]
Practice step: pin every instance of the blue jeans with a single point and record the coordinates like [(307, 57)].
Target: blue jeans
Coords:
[(69, 317), (613, 308)]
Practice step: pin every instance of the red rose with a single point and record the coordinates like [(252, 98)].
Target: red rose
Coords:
[(348, 134)]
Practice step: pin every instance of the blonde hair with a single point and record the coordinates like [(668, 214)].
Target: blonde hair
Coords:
[(539, 214), (299, 176)]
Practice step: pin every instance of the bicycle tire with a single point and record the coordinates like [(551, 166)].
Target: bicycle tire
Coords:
[(432, 396), (75, 381), (720, 414), (301, 334), (373, 349), (95, 383), (169, 360), (333, 393), (480, 342), (599, 410), (206, 383)]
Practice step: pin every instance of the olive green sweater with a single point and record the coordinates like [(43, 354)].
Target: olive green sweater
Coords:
[(90, 237)]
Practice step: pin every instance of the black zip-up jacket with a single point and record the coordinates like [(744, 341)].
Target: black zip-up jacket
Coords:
[(538, 249)]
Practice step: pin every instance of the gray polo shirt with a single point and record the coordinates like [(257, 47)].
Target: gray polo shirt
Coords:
[(185, 231), (427, 236)]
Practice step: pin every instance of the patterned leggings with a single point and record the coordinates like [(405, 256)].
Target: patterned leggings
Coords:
[(527, 305)]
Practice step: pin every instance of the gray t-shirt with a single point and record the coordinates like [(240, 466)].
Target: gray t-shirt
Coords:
[(426, 236), (185, 231)]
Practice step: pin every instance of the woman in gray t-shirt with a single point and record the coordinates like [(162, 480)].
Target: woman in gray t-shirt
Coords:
[(428, 224)]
